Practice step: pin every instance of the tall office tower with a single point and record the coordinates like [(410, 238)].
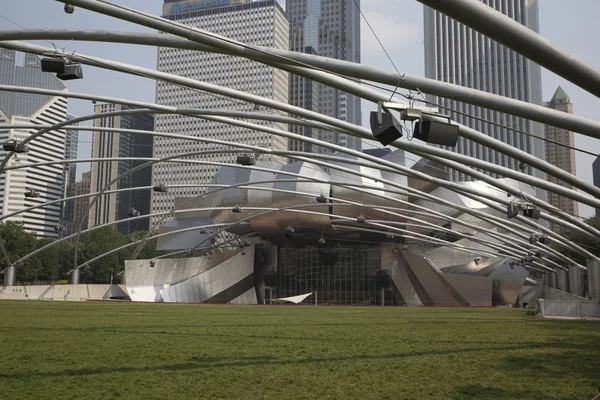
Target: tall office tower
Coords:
[(117, 206), (262, 23), (457, 54), (329, 28), (24, 108), (81, 187), (71, 147), (560, 156)]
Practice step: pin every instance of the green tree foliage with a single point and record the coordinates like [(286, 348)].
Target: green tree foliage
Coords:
[(591, 245), (54, 263), (98, 242)]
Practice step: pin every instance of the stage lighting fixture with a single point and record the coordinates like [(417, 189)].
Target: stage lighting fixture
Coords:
[(64, 69), (477, 260), (69, 8), (361, 219), (531, 213), (289, 229), (512, 210), (152, 263), (321, 241), (30, 193), (237, 210), (161, 188), (16, 146), (246, 159), (133, 212), (321, 199)]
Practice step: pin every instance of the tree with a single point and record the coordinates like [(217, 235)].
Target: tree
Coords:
[(18, 243), (149, 249), (589, 244), (98, 242)]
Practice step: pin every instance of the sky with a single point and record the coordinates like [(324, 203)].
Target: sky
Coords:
[(398, 24)]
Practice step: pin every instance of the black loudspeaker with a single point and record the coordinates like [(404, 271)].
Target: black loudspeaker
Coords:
[(531, 213), (56, 65), (388, 131), (383, 280), (72, 71), (435, 132)]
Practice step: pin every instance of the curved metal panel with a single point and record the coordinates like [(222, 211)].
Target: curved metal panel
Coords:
[(280, 200), (236, 197), (374, 195)]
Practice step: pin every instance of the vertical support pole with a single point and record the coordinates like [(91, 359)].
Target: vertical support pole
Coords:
[(383, 296), (561, 280), (575, 281), (9, 272), (594, 279), (9, 276), (75, 277), (545, 279), (541, 310), (552, 280)]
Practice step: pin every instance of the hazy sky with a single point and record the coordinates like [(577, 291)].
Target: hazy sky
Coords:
[(572, 24)]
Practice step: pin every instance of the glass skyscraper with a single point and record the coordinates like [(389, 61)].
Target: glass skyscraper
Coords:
[(457, 54), (329, 28)]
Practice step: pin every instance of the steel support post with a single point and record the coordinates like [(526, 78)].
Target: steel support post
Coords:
[(561, 280), (594, 280), (552, 280), (575, 281), (9, 276), (75, 277)]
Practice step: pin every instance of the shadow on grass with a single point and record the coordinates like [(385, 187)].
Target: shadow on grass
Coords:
[(213, 362)]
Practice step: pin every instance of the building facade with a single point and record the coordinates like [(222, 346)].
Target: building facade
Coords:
[(24, 108), (329, 28), (457, 54), (80, 188), (116, 206), (559, 155), (261, 23), (71, 148)]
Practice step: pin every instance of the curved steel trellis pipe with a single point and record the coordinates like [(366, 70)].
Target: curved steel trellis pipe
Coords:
[(344, 84), (458, 166), (412, 235), (406, 81), (261, 148), (343, 160), (258, 189)]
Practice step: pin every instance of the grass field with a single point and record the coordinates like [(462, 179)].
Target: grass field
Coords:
[(108, 351)]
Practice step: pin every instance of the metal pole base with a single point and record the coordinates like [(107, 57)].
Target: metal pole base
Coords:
[(9, 276)]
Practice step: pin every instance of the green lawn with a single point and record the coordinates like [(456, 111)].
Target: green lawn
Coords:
[(123, 350)]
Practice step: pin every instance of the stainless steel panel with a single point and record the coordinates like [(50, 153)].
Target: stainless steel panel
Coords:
[(374, 195), (301, 221)]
